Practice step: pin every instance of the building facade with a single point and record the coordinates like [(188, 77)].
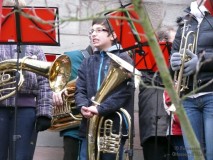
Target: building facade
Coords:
[(74, 33)]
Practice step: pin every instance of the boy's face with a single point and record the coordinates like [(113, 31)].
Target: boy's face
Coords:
[(100, 37)]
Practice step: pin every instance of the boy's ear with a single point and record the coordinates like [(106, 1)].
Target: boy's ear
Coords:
[(113, 36)]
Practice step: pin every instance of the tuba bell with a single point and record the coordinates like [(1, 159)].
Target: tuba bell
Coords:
[(119, 71), (58, 73)]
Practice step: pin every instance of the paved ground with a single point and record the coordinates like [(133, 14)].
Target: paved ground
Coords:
[(49, 145), (55, 153)]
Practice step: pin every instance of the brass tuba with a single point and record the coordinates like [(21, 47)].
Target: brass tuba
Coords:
[(57, 72), (119, 71), (66, 116), (181, 83)]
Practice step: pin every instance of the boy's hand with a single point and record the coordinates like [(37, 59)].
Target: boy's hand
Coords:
[(86, 113), (93, 109)]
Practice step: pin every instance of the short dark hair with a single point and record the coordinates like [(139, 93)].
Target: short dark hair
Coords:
[(104, 22)]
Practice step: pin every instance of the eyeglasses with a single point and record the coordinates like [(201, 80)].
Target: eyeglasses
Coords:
[(97, 30)]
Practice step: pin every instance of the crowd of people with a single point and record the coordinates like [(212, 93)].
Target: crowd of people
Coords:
[(161, 135)]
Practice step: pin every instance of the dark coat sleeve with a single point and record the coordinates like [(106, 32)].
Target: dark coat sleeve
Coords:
[(177, 41), (81, 86), (118, 98)]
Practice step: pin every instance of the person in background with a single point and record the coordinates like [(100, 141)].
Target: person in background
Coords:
[(153, 119), (71, 139), (198, 104), (166, 34), (174, 133), (90, 76), (34, 106), (27, 112)]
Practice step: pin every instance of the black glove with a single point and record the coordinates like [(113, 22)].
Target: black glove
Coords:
[(42, 123)]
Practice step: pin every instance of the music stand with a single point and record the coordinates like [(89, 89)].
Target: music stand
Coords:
[(38, 27), (28, 26), (1, 1), (146, 62), (131, 36)]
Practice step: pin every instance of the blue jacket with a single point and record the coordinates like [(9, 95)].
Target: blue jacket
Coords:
[(90, 75)]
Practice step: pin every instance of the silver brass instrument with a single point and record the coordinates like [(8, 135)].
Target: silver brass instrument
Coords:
[(57, 72), (66, 116), (119, 71), (181, 83)]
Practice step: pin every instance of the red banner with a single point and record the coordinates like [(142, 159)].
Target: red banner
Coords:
[(51, 56), (38, 26), (209, 5), (0, 14)]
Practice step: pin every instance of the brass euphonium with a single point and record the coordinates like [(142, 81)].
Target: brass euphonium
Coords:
[(109, 142), (57, 72), (66, 116), (119, 71), (181, 83)]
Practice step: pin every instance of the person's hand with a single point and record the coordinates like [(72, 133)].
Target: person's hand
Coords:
[(175, 61), (42, 123), (93, 109), (86, 113), (190, 66), (57, 99)]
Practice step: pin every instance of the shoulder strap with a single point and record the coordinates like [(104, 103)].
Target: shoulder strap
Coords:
[(85, 53)]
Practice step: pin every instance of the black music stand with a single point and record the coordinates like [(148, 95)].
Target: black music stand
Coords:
[(131, 36), (38, 27), (1, 1), (28, 26)]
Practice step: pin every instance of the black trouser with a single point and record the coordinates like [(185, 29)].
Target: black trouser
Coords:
[(71, 148), (157, 150)]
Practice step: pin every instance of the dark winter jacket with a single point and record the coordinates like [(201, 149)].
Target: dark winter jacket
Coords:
[(204, 43), (153, 119), (86, 87)]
